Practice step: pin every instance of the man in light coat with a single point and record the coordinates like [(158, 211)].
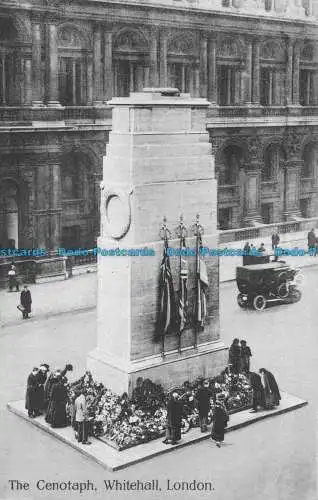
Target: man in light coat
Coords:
[(81, 418)]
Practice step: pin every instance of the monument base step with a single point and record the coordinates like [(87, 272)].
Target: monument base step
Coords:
[(114, 460)]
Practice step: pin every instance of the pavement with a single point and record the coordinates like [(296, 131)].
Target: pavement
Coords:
[(79, 293), (113, 460)]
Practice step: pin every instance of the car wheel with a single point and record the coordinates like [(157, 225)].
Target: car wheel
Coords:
[(283, 290), (240, 300), (259, 302)]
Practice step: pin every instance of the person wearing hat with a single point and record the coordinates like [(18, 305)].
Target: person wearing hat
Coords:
[(59, 402), (203, 399), (41, 378), (271, 390), (174, 419), (246, 354), (258, 391), (220, 420), (235, 356), (81, 417), (31, 401), (26, 301)]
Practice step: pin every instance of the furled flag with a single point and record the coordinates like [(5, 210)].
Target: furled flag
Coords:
[(183, 290), (167, 317), (202, 288)]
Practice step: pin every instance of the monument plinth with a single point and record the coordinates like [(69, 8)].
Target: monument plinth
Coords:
[(158, 163)]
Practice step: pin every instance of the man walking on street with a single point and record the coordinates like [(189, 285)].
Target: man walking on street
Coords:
[(26, 301), (275, 243)]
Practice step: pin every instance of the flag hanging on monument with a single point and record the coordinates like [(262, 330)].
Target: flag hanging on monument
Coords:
[(202, 288), (183, 290), (167, 302)]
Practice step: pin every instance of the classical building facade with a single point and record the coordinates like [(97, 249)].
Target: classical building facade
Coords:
[(61, 61)]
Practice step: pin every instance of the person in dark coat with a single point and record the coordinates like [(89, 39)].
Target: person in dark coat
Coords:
[(246, 256), (174, 419), (272, 394), (41, 378), (59, 402), (258, 391), (31, 401), (203, 399), (246, 354), (275, 243), (235, 356), (220, 420), (52, 379), (26, 301), (312, 240)]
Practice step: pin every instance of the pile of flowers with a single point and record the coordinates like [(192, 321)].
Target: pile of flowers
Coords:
[(126, 422)]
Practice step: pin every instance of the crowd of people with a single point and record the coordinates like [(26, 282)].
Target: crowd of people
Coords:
[(62, 404), (265, 388), (262, 255)]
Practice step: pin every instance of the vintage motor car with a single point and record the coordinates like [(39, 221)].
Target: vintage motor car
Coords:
[(260, 284)]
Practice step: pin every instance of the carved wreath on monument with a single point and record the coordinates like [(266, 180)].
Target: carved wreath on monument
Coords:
[(115, 211)]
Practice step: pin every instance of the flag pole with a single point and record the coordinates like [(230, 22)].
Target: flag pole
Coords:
[(181, 232), (164, 234), (198, 231)]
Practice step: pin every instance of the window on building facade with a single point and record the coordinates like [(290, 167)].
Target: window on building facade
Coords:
[(179, 76), (70, 81), (225, 218), (230, 165), (70, 178), (130, 76), (227, 86), (273, 158), (267, 87), (10, 65), (306, 87), (9, 214)]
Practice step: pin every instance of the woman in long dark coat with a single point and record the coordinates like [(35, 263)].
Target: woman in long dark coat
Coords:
[(174, 420), (31, 400), (41, 377), (59, 402), (235, 356), (220, 420), (272, 394)]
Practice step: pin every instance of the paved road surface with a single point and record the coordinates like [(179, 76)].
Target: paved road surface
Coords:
[(274, 459)]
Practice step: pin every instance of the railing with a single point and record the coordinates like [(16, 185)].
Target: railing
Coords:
[(274, 111), (28, 115), (248, 234), (309, 110), (82, 260)]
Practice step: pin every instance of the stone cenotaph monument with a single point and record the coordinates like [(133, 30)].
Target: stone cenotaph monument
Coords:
[(158, 164)]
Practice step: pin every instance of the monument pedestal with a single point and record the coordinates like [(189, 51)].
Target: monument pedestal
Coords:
[(159, 163)]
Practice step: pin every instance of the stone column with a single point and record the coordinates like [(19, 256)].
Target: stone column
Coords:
[(163, 59), (3, 79), (256, 72), (289, 73), (296, 61), (37, 97), (108, 65), (203, 65), (89, 80), (292, 189), (52, 82), (56, 206), (41, 212), (153, 60), (27, 100), (152, 128), (97, 60), (247, 74), (212, 76)]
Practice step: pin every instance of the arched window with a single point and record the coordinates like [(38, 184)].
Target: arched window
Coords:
[(273, 157), (310, 161), (182, 62), (131, 62), (230, 165), (72, 67), (230, 60)]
